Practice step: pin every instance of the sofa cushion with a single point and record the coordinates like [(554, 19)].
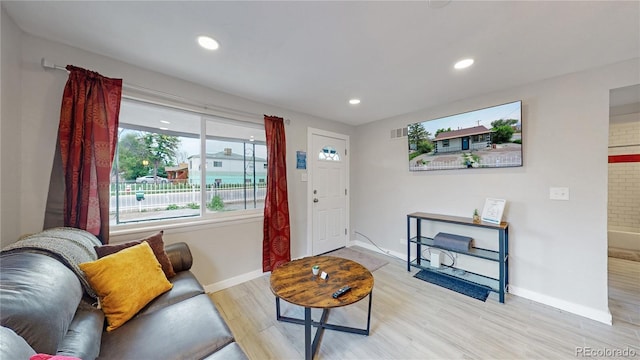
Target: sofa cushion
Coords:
[(125, 282), (12, 346), (185, 285), (39, 296), (85, 333), (190, 329), (156, 243)]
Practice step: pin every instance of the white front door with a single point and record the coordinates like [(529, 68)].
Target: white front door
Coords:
[(328, 184)]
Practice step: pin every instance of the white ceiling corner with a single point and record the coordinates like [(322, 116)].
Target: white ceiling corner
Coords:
[(312, 56)]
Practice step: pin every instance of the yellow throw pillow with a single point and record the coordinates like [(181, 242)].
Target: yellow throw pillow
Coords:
[(125, 282)]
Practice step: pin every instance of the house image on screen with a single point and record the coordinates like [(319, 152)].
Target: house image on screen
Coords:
[(226, 167), (473, 138)]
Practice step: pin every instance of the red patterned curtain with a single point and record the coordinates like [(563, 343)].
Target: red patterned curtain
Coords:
[(276, 244), (88, 137)]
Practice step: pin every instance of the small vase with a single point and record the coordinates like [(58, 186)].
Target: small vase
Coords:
[(476, 218)]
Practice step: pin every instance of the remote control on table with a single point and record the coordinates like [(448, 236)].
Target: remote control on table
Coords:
[(341, 291)]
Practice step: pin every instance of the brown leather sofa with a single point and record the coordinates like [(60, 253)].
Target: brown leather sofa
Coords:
[(43, 310)]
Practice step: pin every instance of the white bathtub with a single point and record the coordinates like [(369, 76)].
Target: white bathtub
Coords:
[(624, 240)]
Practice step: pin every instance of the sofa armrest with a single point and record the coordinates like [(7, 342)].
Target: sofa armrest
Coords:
[(180, 256)]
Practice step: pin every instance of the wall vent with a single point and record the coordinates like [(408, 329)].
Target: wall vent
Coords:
[(398, 133)]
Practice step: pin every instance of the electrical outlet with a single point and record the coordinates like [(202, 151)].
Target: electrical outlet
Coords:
[(559, 193)]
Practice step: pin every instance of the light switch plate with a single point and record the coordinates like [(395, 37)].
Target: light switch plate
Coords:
[(559, 193)]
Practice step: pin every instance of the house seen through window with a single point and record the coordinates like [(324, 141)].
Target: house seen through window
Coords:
[(159, 172)]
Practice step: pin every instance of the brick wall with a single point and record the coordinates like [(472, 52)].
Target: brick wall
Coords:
[(624, 177)]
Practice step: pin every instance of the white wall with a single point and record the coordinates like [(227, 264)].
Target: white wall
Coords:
[(558, 249), (221, 251), (10, 130)]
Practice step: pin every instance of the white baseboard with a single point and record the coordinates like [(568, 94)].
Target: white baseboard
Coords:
[(581, 310), (383, 251), (227, 283), (584, 311)]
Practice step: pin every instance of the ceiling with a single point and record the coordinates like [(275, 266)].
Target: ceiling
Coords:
[(312, 57)]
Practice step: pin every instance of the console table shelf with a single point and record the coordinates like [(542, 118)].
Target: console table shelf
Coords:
[(476, 252), (501, 256)]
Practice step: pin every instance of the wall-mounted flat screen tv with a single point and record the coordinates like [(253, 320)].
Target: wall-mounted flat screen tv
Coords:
[(485, 138)]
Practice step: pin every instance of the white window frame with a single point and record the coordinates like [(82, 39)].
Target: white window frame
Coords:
[(205, 219)]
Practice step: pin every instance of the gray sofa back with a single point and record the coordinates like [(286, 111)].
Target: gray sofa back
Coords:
[(40, 296), (43, 310)]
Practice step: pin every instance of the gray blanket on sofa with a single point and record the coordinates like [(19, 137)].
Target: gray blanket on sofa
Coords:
[(71, 246)]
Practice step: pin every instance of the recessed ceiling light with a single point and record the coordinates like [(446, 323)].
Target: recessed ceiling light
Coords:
[(165, 122), (463, 64), (354, 101), (164, 128), (208, 42)]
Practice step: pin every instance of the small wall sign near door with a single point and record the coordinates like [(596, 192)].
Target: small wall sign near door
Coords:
[(301, 159)]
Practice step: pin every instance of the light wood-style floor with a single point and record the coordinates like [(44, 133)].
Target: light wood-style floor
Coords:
[(412, 319)]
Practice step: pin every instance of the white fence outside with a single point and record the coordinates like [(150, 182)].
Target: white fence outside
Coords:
[(163, 196), (500, 160)]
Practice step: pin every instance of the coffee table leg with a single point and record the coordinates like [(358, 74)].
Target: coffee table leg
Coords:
[(310, 347), (369, 313), (307, 334)]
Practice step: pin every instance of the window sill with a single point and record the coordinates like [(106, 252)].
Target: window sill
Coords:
[(188, 224)]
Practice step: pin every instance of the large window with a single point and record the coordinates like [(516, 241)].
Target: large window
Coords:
[(172, 163)]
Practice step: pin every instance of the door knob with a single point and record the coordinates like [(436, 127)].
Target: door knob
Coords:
[(315, 199)]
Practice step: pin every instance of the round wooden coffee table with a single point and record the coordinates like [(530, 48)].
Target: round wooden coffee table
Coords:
[(295, 283)]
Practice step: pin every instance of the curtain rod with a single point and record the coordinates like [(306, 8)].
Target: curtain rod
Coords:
[(50, 65)]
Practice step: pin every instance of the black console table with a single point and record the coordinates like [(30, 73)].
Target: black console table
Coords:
[(501, 256)]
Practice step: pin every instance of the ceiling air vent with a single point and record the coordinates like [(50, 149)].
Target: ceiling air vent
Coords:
[(398, 133)]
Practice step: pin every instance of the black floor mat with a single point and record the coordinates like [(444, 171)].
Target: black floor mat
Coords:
[(475, 291)]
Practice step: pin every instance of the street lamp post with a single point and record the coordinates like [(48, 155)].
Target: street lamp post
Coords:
[(140, 193), (145, 163)]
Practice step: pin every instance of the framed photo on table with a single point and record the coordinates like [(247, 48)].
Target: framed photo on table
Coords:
[(493, 210)]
